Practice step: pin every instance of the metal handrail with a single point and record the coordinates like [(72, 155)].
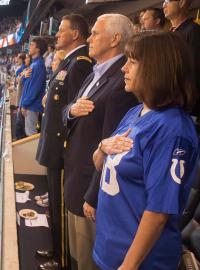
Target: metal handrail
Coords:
[(2, 149)]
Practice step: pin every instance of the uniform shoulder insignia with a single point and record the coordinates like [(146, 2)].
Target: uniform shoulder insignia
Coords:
[(84, 58)]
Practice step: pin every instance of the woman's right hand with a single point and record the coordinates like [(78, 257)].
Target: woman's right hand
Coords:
[(117, 144), (110, 146)]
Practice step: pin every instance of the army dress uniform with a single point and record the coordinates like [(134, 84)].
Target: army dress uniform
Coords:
[(63, 87)]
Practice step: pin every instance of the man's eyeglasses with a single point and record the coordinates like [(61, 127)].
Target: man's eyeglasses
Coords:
[(168, 1)]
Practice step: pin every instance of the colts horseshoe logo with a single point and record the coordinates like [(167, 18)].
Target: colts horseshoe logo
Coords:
[(173, 170)]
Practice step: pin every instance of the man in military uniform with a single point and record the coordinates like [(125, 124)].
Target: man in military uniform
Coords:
[(63, 87)]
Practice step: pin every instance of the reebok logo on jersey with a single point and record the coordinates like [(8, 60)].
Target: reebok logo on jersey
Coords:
[(179, 152)]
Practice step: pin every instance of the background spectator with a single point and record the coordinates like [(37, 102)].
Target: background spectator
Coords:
[(182, 24), (140, 16), (9, 25), (34, 86), (20, 120), (48, 59), (153, 19)]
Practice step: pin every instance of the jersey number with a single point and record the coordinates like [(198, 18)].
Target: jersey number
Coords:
[(111, 186)]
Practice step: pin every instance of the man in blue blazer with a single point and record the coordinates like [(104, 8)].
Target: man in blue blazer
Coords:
[(92, 116)]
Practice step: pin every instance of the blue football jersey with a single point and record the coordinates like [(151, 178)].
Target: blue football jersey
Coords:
[(155, 175)]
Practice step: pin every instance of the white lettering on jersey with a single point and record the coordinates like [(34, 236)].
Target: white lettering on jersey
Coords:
[(173, 170), (111, 187)]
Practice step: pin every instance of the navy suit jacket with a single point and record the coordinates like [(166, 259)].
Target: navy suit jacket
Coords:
[(85, 133)]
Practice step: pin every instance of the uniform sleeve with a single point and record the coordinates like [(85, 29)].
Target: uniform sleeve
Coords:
[(36, 85), (168, 174)]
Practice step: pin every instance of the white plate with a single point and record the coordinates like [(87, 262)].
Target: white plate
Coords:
[(28, 213), (24, 186)]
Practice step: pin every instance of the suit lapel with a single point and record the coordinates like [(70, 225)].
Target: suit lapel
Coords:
[(94, 89), (102, 80), (98, 85), (85, 85), (105, 77)]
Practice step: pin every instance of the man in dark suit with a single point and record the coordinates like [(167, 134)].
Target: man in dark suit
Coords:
[(63, 87), (93, 115), (182, 24)]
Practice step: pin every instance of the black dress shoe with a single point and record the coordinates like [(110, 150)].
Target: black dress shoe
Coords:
[(50, 265), (44, 253)]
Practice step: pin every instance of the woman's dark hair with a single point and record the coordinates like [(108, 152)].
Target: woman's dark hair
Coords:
[(78, 22), (41, 44), (165, 73), (22, 56)]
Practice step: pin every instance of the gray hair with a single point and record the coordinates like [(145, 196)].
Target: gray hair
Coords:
[(118, 24)]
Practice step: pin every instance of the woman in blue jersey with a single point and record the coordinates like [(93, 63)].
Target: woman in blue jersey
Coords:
[(150, 160)]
